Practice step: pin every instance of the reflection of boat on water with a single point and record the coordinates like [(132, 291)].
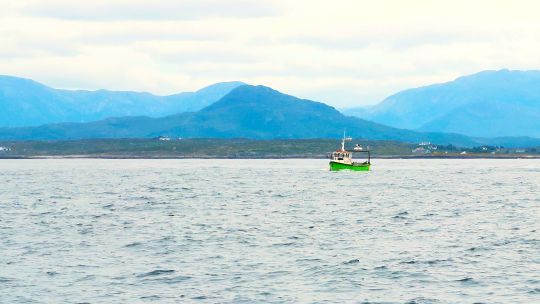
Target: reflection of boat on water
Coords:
[(342, 159)]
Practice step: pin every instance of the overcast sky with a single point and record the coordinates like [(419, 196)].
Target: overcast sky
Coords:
[(342, 52)]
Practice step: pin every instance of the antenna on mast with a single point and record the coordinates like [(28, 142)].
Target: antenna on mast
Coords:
[(345, 138)]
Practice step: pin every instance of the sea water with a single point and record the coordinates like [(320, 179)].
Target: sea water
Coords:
[(269, 231)]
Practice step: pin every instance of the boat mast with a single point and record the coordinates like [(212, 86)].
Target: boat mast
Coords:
[(343, 142)]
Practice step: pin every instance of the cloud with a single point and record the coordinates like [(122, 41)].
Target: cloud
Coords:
[(343, 52), (385, 38), (27, 39), (106, 10), (129, 32), (210, 52)]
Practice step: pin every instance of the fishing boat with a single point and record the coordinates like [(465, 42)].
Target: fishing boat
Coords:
[(342, 159)]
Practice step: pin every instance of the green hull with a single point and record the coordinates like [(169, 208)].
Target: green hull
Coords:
[(354, 167)]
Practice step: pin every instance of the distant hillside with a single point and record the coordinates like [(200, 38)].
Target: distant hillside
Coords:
[(25, 102), (193, 148), (263, 113), (486, 104), (233, 148), (255, 112)]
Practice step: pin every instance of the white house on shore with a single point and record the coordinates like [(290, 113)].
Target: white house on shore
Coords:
[(421, 150)]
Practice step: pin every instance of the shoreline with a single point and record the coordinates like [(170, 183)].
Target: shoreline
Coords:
[(412, 157), (241, 149)]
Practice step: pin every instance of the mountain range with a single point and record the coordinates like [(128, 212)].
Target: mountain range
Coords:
[(236, 110), (485, 104), (25, 102), (247, 111)]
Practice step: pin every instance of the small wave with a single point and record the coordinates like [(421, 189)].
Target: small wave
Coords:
[(429, 262), (155, 273), (134, 244), (354, 261), (166, 238), (4, 279), (89, 277), (176, 279), (466, 280), (422, 300), (85, 230), (401, 215), (152, 297), (308, 260), (278, 273), (282, 244), (433, 262)]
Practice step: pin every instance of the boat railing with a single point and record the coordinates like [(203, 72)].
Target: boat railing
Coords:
[(368, 154)]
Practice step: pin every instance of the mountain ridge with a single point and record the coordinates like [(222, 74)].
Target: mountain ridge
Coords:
[(255, 112), (485, 104), (26, 102)]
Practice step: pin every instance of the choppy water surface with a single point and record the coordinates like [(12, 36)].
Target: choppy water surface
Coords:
[(265, 231)]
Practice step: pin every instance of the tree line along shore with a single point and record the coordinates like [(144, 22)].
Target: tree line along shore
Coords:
[(165, 147)]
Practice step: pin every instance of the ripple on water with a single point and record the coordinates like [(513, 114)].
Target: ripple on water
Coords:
[(156, 272), (134, 244)]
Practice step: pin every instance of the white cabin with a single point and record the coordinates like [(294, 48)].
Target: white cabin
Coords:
[(342, 156)]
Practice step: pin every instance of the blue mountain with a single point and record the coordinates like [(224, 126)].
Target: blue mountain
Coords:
[(486, 104), (25, 102), (255, 112)]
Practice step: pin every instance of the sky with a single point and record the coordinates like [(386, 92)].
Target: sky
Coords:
[(345, 53)]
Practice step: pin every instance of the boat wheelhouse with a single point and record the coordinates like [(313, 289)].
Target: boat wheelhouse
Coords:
[(341, 159)]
